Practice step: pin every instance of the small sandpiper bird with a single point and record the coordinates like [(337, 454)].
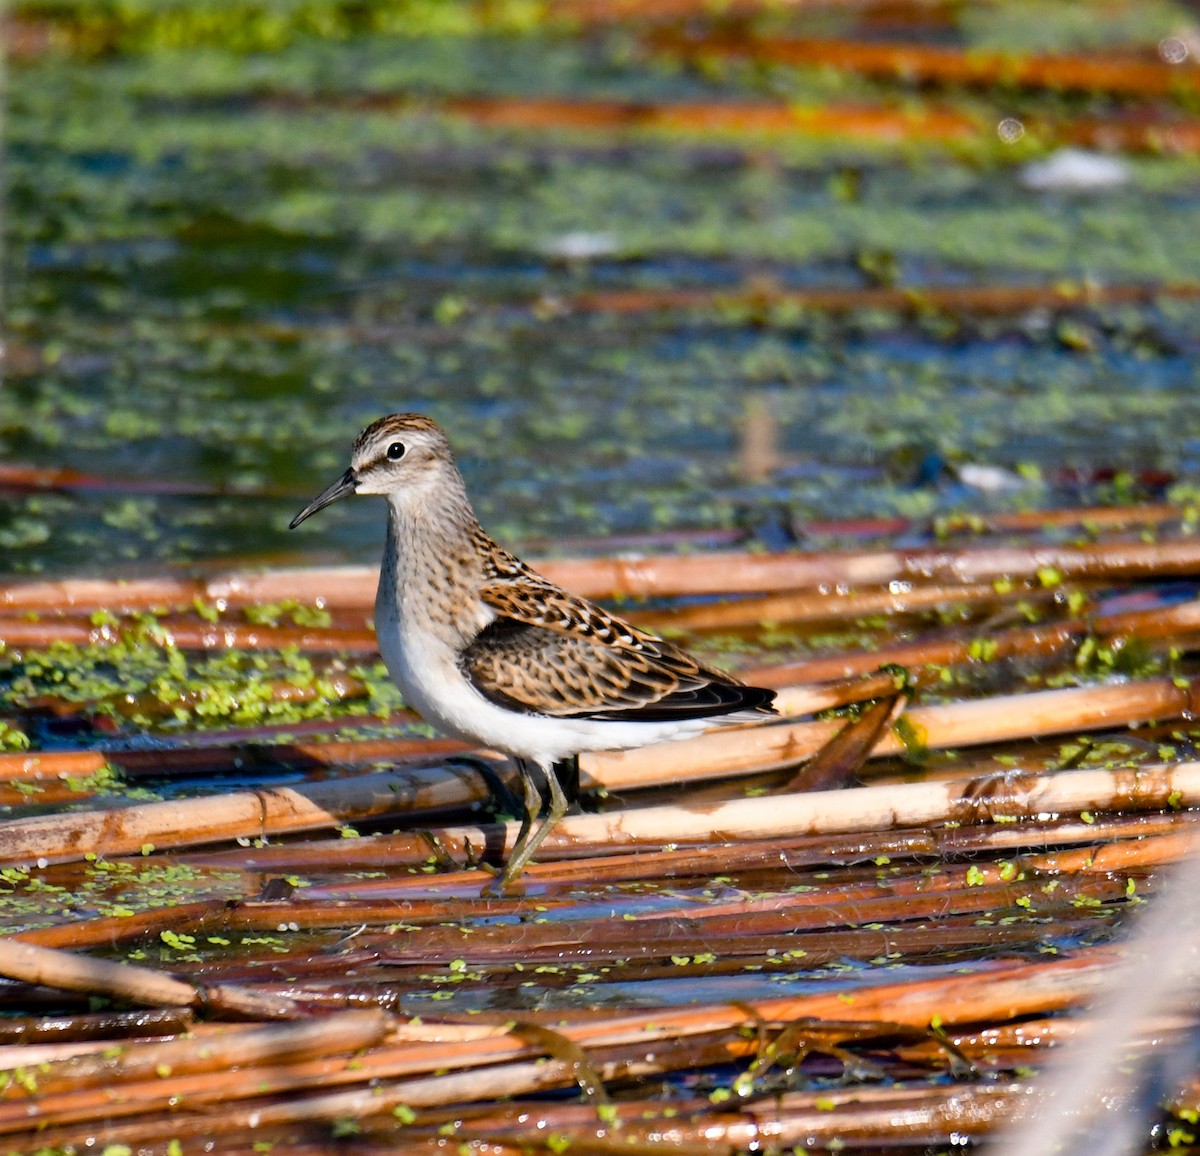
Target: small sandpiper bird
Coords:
[(491, 652)]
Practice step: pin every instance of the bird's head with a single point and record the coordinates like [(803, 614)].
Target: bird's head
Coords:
[(403, 452)]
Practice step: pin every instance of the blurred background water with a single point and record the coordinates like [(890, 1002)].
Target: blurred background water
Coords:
[(235, 233)]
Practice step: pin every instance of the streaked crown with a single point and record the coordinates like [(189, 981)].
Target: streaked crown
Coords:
[(398, 450), (405, 455)]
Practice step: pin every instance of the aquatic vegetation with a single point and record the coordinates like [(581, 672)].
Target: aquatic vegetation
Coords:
[(139, 676), (218, 271)]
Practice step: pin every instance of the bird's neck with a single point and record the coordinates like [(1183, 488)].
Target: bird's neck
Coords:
[(432, 570)]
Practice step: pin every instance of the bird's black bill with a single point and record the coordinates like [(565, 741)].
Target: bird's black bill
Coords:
[(342, 488)]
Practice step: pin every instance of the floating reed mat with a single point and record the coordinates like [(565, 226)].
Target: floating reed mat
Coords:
[(868, 922)]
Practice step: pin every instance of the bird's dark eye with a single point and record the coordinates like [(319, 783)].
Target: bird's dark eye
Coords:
[(395, 451)]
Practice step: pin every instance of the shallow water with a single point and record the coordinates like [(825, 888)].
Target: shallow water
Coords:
[(216, 276)]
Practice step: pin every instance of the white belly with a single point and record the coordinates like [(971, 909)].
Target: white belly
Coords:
[(425, 669)]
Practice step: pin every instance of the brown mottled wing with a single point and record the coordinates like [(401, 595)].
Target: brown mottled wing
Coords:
[(548, 652)]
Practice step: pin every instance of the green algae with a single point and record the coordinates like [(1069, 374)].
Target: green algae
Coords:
[(99, 26), (1054, 26), (100, 888), (138, 675), (12, 738)]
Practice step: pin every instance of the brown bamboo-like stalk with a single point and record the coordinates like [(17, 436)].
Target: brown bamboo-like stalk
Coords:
[(384, 851), (895, 1118), (267, 810), (41, 794), (1175, 623), (285, 1043), (108, 931), (1091, 518), (885, 124), (702, 861), (102, 1027), (300, 756), (353, 587), (1121, 857), (70, 972), (837, 762), (1163, 134), (1123, 74), (542, 113), (978, 299), (253, 915), (867, 808), (900, 1117), (825, 603), (935, 652), (865, 898), (62, 838), (740, 750), (797, 701), (764, 573), (1033, 521), (51, 766), (492, 1068)]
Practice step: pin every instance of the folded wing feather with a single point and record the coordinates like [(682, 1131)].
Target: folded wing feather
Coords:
[(548, 652)]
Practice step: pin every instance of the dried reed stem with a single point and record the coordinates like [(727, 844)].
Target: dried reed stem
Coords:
[(1124, 73), (737, 751), (267, 810), (242, 1047), (353, 587), (866, 808), (272, 810), (70, 972)]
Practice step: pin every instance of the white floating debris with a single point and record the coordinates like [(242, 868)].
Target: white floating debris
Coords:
[(990, 479), (581, 246), (1076, 169)]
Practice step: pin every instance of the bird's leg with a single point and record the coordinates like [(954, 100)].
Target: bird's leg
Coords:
[(567, 773), (521, 850), (523, 853), (503, 800)]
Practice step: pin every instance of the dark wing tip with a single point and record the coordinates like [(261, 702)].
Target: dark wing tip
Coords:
[(712, 700)]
